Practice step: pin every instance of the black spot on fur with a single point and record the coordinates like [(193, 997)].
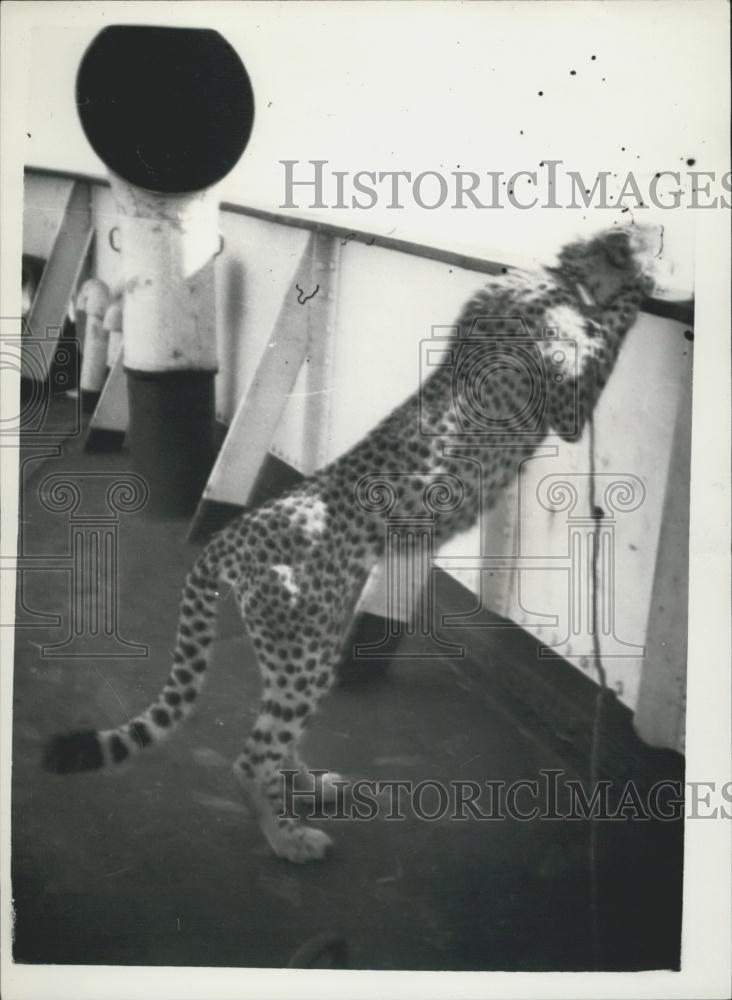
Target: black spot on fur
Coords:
[(172, 698), (141, 734), (183, 676), (160, 717), (79, 751), (190, 694), (119, 749)]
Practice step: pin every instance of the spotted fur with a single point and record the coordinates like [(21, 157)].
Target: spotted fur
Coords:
[(298, 563)]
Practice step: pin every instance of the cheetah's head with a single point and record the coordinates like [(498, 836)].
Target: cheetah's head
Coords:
[(613, 260)]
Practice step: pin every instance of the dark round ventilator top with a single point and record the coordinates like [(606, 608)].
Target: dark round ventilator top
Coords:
[(168, 109)]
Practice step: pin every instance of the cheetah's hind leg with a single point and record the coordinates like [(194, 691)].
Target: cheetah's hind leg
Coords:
[(288, 835), (295, 677)]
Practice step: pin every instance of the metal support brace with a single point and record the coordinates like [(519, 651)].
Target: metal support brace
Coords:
[(108, 424), (302, 335), (58, 281)]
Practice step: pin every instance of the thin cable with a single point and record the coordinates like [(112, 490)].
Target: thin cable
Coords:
[(597, 515)]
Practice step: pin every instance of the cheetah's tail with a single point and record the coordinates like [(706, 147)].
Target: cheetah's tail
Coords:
[(88, 750)]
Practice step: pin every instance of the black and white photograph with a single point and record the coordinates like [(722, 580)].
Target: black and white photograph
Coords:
[(365, 443)]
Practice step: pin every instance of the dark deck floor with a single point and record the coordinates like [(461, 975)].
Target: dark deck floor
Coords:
[(162, 863)]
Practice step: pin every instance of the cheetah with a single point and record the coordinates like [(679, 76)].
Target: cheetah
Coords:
[(298, 563)]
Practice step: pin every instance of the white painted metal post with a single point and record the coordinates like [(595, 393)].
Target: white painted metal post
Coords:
[(113, 331), (91, 306), (168, 244)]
